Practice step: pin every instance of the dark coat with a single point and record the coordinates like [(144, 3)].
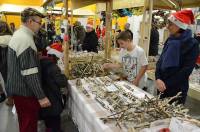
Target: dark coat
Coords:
[(4, 41), (52, 82), (176, 64), (154, 41), (198, 39), (90, 42), (3, 62), (79, 32)]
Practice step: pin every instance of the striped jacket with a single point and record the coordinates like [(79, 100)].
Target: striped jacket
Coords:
[(23, 74)]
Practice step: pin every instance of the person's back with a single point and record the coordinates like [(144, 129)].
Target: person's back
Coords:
[(197, 37), (80, 33), (52, 82), (90, 42), (55, 87), (154, 42)]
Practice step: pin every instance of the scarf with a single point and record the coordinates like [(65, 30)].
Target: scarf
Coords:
[(171, 54)]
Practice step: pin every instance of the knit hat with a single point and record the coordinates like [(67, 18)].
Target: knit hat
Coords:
[(55, 49), (182, 18), (89, 24)]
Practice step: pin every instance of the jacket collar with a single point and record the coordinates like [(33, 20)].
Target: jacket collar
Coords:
[(183, 37), (92, 32), (27, 30)]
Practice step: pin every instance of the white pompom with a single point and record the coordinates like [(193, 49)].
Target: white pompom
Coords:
[(48, 48)]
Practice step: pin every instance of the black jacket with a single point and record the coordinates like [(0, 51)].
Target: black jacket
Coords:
[(79, 32), (52, 82), (154, 41), (90, 42), (176, 77), (3, 62), (4, 41), (198, 39)]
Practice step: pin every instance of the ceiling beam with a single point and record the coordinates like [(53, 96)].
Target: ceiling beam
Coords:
[(175, 4), (168, 3), (82, 3), (190, 5)]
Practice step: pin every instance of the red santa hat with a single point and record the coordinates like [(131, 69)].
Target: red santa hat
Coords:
[(89, 24), (55, 49), (182, 18)]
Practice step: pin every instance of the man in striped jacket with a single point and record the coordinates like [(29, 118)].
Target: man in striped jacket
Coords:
[(23, 82)]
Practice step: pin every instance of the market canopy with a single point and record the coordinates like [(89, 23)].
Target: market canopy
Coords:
[(16, 6), (117, 4), (175, 4), (157, 4), (74, 4), (81, 3)]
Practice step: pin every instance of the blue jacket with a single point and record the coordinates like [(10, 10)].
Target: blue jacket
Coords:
[(177, 62)]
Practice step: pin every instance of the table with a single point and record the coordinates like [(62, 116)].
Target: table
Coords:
[(86, 112)]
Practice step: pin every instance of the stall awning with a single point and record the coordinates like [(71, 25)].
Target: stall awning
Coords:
[(74, 4), (81, 3), (175, 4), (158, 4)]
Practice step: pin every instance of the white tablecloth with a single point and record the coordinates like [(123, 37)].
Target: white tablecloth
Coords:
[(86, 113)]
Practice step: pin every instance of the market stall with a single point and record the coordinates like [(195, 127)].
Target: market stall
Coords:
[(78, 4), (100, 104), (194, 91)]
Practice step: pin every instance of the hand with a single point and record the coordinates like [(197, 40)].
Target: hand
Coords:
[(160, 85), (106, 65), (136, 82), (44, 102)]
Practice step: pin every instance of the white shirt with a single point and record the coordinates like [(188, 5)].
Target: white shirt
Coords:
[(132, 62)]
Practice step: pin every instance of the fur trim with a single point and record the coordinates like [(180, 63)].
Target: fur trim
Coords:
[(177, 22), (55, 52)]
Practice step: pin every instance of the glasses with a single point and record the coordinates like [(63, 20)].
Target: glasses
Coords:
[(40, 23)]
